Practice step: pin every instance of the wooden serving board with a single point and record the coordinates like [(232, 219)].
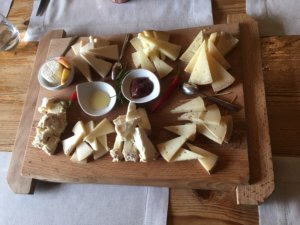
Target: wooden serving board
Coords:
[(233, 166)]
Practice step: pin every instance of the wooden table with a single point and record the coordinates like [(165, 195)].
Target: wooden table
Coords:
[(281, 57)]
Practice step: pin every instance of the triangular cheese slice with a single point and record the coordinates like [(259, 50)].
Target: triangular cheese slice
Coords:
[(145, 62), (70, 144), (188, 54), (85, 48), (79, 129), (131, 111), (76, 48), (212, 115), (221, 77), (184, 155), (208, 160), (190, 66), (216, 133), (194, 117), (226, 42), (99, 65), (161, 35), (194, 105), (169, 148), (188, 130), (201, 73), (170, 50), (144, 121), (103, 141), (98, 154), (214, 37), (83, 150), (162, 68), (214, 52), (83, 67), (107, 52), (74, 158), (103, 128)]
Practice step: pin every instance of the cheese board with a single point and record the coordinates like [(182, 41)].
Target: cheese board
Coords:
[(232, 168), (41, 166)]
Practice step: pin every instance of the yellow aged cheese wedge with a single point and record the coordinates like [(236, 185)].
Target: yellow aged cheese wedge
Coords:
[(188, 130), (101, 66), (136, 59), (169, 148), (194, 105), (144, 120), (103, 128), (190, 66), (170, 50), (184, 155), (103, 141), (216, 133), (188, 54), (221, 77), (201, 73), (161, 35), (83, 150), (214, 37), (76, 48), (162, 68), (83, 67), (107, 52), (226, 42), (212, 115), (145, 62), (194, 117), (74, 158), (214, 52), (208, 159)]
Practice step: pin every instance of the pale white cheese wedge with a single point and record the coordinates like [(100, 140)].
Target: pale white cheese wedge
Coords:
[(221, 77), (208, 159), (188, 54), (144, 120), (188, 130), (101, 66), (83, 150), (74, 158), (106, 52), (194, 105), (161, 35), (85, 48), (76, 48), (226, 42), (131, 111), (103, 128), (170, 50), (101, 151), (147, 151), (83, 67), (202, 73), (184, 155), (216, 133), (136, 43), (136, 59), (148, 33), (70, 144), (212, 115), (214, 52), (214, 37), (145, 62), (103, 141), (162, 68), (169, 148), (194, 117), (79, 129), (190, 66)]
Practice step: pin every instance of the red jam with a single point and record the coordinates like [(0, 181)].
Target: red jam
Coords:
[(141, 87)]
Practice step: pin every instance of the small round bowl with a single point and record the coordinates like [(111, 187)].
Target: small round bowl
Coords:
[(85, 91), (45, 84), (137, 73)]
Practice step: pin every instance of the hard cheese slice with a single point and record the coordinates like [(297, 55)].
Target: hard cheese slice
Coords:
[(136, 59), (194, 117), (194, 105), (107, 52), (201, 73), (169, 148), (83, 150), (221, 77), (216, 133), (136, 43), (161, 35), (145, 62), (208, 159), (212, 115), (188, 54), (101, 66), (144, 121), (188, 130), (103, 128), (184, 155), (162, 68), (170, 50), (190, 66), (83, 67), (226, 42), (214, 52)]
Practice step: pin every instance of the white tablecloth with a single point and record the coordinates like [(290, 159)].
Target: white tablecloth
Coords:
[(5, 6)]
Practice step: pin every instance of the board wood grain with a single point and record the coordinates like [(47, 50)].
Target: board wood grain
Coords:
[(233, 166)]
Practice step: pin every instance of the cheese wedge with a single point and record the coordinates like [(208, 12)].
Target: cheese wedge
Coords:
[(229, 122), (79, 128), (125, 128), (103, 141), (190, 66), (194, 105), (85, 48), (216, 133), (83, 150), (162, 68), (103, 128), (76, 48), (194, 117), (212, 115), (136, 59), (170, 50), (214, 37), (214, 52), (184, 155), (188, 130), (144, 121), (145, 62), (101, 66), (226, 42), (89, 126), (70, 144), (106, 52), (201, 73), (221, 77), (208, 159), (131, 111), (188, 54), (169, 148), (147, 151), (83, 67), (136, 43), (116, 151), (98, 154), (148, 33), (74, 158), (161, 35)]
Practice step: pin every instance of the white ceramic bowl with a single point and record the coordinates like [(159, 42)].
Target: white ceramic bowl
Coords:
[(137, 73), (85, 91), (45, 84)]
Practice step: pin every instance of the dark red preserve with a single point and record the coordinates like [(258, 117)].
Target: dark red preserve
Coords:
[(141, 87)]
